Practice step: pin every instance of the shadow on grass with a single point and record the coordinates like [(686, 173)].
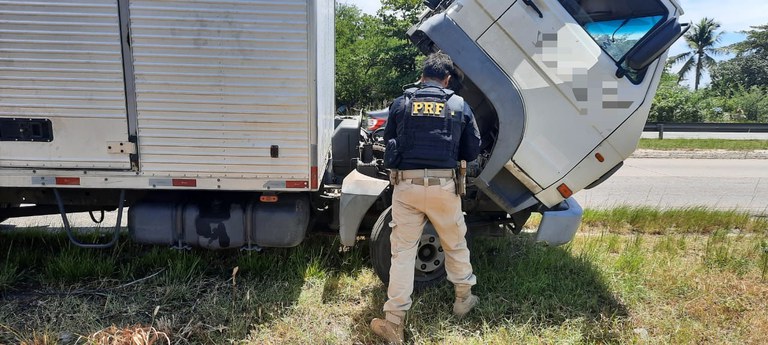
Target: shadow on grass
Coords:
[(521, 285), (528, 282)]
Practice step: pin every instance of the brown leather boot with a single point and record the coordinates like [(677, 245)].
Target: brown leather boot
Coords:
[(465, 300), (391, 327)]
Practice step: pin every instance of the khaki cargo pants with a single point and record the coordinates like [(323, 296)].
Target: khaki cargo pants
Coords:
[(412, 205)]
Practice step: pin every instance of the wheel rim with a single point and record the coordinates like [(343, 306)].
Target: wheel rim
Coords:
[(429, 255)]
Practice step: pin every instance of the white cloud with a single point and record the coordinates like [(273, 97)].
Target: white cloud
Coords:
[(734, 16)]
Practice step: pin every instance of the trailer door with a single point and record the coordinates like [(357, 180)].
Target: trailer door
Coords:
[(62, 86)]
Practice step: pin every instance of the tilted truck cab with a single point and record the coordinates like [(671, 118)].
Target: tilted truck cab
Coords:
[(213, 121), (558, 92)]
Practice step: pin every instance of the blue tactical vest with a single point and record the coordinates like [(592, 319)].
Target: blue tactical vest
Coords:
[(430, 131)]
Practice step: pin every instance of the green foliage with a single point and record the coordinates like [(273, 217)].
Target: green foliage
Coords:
[(748, 69), (675, 103), (748, 105), (739, 73), (374, 58), (756, 42), (701, 39)]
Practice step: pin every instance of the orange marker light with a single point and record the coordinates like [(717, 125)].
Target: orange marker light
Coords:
[(599, 157), (268, 198), (564, 191)]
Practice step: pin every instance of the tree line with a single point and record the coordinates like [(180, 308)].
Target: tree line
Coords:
[(374, 60), (738, 91)]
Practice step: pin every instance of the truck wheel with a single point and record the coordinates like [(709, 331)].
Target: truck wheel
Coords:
[(3, 205), (429, 268)]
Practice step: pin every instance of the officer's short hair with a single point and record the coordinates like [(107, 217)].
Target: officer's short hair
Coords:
[(437, 66)]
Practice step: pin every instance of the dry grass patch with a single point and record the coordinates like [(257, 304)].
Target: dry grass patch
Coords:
[(133, 335), (682, 298)]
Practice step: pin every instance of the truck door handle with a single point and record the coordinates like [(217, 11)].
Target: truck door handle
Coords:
[(533, 5)]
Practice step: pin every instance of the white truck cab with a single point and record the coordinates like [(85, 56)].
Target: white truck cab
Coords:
[(561, 88)]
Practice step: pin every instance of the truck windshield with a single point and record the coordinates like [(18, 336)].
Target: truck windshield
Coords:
[(616, 25), (617, 37)]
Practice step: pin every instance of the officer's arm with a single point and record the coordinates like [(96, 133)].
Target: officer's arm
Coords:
[(470, 138), (390, 131)]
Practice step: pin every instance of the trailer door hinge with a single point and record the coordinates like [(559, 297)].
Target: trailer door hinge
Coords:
[(121, 147)]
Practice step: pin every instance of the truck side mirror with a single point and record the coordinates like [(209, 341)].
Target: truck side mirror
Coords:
[(432, 4), (650, 47)]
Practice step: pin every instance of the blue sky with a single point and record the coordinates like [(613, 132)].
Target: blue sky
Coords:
[(734, 16)]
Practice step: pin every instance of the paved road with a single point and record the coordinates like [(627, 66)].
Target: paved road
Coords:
[(76, 220), (715, 183)]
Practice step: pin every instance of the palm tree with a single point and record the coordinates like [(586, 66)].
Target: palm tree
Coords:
[(701, 38)]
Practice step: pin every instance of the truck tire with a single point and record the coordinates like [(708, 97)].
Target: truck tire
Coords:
[(2, 205), (429, 269)]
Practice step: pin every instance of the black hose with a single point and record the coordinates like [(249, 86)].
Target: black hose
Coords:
[(90, 213)]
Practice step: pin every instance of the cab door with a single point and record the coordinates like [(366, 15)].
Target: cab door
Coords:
[(563, 56)]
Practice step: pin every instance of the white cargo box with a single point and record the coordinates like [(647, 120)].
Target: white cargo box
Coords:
[(217, 94)]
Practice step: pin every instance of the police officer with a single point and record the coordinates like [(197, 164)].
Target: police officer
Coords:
[(429, 130)]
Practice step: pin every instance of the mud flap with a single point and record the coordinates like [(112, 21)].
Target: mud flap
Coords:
[(558, 226), (358, 193)]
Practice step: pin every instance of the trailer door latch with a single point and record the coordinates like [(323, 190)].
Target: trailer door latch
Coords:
[(121, 147)]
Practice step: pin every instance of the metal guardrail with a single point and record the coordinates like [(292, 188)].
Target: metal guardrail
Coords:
[(705, 128)]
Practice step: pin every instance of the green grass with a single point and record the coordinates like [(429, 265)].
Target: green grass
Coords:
[(703, 144), (763, 249), (625, 219), (72, 265), (617, 282), (9, 270)]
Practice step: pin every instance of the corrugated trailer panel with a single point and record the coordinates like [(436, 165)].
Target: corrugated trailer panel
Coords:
[(326, 93), (218, 83), (61, 60)]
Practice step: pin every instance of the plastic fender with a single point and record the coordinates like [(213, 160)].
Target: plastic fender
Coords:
[(358, 193)]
